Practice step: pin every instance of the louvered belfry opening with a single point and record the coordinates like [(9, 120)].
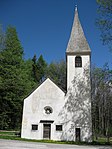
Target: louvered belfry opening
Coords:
[(78, 61)]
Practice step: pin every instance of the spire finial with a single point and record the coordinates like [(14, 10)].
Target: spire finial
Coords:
[(75, 7)]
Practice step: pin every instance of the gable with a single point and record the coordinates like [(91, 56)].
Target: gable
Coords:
[(47, 89), (47, 94)]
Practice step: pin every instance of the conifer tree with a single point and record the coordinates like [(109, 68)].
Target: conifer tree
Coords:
[(2, 38), (57, 72), (12, 84), (39, 69), (34, 68)]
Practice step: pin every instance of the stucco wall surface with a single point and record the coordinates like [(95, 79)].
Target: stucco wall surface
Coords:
[(47, 94)]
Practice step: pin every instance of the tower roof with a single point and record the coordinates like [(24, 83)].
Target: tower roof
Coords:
[(77, 42)]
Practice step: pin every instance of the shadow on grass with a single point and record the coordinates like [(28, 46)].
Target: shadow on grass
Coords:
[(55, 142)]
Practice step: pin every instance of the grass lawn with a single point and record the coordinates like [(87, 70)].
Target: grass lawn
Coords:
[(7, 133), (12, 135)]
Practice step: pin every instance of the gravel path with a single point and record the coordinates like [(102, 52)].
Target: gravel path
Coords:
[(12, 144)]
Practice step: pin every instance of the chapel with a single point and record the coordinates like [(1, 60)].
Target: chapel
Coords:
[(51, 113)]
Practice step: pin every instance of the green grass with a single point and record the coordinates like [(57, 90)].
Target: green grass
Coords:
[(11, 135), (102, 141), (7, 133)]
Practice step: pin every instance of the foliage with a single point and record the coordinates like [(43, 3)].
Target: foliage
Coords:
[(2, 39), (34, 68), (104, 22), (39, 68), (10, 61), (14, 81), (102, 101), (18, 77), (57, 72)]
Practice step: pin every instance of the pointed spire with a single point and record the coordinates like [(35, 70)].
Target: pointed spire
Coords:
[(77, 42)]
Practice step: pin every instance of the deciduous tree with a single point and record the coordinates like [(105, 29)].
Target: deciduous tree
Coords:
[(104, 21)]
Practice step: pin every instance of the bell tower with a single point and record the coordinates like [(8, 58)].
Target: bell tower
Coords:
[(77, 53)]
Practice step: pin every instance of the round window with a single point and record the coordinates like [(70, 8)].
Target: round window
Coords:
[(48, 110)]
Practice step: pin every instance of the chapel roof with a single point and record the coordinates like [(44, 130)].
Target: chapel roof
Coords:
[(77, 42), (47, 79)]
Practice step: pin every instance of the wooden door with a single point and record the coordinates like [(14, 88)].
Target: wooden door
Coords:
[(77, 134), (46, 131)]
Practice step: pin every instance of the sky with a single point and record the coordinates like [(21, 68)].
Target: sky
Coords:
[(44, 27)]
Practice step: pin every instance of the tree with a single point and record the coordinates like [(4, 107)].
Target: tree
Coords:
[(2, 39), (39, 68), (101, 101), (57, 72), (104, 22), (13, 83), (27, 77), (34, 68)]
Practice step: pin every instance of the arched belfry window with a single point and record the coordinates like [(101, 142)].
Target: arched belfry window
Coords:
[(78, 61)]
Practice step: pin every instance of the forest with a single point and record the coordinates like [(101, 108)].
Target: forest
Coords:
[(18, 77)]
